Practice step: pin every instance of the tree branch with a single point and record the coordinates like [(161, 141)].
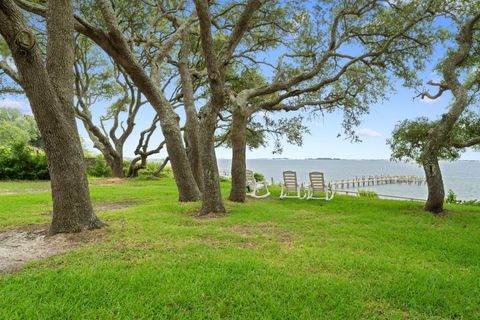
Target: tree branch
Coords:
[(9, 71)]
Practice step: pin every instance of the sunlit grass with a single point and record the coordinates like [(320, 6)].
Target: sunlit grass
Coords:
[(350, 258)]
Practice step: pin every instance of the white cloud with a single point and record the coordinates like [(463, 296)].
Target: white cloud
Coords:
[(9, 103), (365, 132)]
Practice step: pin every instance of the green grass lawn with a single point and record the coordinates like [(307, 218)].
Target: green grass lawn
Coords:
[(351, 258)]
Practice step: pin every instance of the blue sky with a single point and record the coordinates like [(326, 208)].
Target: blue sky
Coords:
[(375, 128)]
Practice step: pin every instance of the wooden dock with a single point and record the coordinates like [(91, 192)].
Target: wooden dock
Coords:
[(375, 180)]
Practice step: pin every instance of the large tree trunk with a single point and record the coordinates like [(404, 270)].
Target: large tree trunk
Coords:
[(186, 184), (436, 192), (239, 148), (115, 45), (114, 161), (192, 134), (117, 167), (134, 168), (50, 92), (169, 123), (117, 163), (439, 134), (212, 196), (216, 64), (72, 209)]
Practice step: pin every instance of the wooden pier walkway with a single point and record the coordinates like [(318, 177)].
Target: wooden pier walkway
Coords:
[(375, 180)]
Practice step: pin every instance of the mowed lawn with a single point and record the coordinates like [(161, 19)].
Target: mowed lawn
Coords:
[(351, 258)]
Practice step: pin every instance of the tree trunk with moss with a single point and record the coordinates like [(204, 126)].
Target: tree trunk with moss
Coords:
[(117, 167), (239, 162), (192, 130), (436, 191), (439, 134), (50, 92), (212, 196)]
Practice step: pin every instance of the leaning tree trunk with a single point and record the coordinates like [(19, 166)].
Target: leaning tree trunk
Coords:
[(239, 148), (169, 124), (186, 184), (436, 191), (192, 135), (216, 64), (114, 161), (50, 93), (133, 169), (439, 134), (116, 46), (212, 196), (72, 209)]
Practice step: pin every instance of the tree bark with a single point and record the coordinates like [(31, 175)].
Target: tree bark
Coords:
[(116, 46), (117, 167), (438, 134), (212, 196), (113, 159), (216, 68), (50, 92), (186, 184), (239, 148), (169, 123), (134, 168), (192, 134), (436, 191)]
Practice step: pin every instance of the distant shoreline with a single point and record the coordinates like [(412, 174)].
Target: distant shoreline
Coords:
[(310, 159)]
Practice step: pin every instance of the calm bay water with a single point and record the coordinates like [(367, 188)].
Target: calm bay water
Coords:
[(463, 177)]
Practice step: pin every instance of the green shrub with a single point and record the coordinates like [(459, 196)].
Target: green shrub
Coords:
[(225, 179), (150, 170), (167, 172), (367, 194), (126, 166), (451, 197), (20, 161), (259, 176), (100, 168)]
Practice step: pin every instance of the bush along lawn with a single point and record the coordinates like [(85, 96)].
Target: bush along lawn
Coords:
[(350, 258)]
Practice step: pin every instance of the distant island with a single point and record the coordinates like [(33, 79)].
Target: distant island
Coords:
[(302, 159)]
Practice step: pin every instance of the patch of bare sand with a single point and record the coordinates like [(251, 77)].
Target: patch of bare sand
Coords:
[(110, 181), (105, 206), (20, 246), (26, 191), (269, 231)]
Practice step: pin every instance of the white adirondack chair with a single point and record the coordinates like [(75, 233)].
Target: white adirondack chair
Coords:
[(290, 186), (256, 186), (317, 185)]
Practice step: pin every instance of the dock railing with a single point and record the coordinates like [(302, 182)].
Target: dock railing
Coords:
[(366, 181)]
